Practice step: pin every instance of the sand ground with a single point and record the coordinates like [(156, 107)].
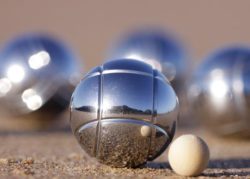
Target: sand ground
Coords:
[(58, 155)]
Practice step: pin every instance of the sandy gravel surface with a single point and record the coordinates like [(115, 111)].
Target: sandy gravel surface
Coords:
[(57, 155)]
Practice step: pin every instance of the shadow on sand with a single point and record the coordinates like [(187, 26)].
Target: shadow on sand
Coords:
[(229, 167), (221, 167)]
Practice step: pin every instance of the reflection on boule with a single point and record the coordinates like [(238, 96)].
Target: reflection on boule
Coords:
[(145, 131), (124, 113), (220, 92)]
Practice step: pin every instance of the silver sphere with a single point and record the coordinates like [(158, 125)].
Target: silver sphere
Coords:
[(37, 74), (156, 48), (220, 92), (124, 113)]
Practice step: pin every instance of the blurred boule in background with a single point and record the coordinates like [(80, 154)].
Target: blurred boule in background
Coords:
[(38, 73), (220, 92), (156, 48)]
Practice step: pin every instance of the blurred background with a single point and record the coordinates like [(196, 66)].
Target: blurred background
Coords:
[(91, 28)]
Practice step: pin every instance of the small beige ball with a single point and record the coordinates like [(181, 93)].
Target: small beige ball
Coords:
[(188, 155)]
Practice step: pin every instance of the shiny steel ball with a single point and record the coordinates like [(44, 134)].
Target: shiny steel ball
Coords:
[(37, 74), (220, 92), (124, 113), (156, 48)]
